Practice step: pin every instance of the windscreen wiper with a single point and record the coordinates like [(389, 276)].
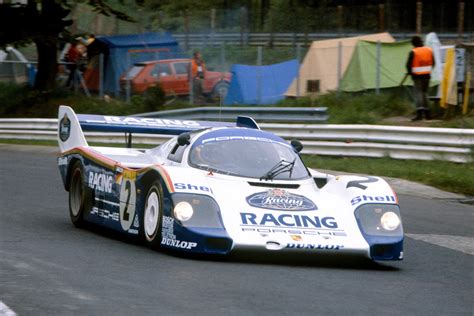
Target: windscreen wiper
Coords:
[(281, 167)]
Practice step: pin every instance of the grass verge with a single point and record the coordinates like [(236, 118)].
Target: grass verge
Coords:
[(346, 108), (448, 176)]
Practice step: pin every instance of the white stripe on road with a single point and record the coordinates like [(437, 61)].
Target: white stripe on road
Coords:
[(459, 243), (5, 310)]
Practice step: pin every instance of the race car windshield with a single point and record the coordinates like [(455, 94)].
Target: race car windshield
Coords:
[(248, 158)]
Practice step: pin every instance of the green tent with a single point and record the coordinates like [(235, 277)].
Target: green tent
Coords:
[(361, 72)]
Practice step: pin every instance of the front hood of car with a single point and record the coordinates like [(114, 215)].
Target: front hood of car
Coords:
[(284, 214)]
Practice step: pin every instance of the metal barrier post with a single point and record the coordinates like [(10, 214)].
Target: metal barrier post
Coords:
[(222, 54), (127, 81), (191, 86), (377, 69), (75, 80), (213, 26), (339, 66), (259, 64), (298, 56), (101, 76)]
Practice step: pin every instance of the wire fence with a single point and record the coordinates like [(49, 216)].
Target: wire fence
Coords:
[(284, 16)]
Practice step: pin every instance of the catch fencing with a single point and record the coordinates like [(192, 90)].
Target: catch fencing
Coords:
[(396, 142), (200, 40)]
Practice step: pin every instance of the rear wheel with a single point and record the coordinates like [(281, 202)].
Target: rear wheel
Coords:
[(220, 90), (153, 215), (79, 197)]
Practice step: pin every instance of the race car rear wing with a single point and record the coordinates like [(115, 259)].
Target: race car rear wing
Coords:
[(71, 126)]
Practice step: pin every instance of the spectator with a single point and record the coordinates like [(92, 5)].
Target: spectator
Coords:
[(419, 64), (71, 57), (198, 69), (77, 57)]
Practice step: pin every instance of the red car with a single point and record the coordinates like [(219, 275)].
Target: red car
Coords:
[(172, 76)]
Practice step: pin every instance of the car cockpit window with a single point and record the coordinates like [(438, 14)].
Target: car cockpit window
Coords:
[(251, 157)]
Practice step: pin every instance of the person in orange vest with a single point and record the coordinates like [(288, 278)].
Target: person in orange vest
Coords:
[(419, 65), (198, 70)]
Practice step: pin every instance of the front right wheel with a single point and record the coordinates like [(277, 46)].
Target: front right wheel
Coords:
[(153, 215)]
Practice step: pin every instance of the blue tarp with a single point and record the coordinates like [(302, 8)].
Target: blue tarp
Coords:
[(126, 50), (260, 84)]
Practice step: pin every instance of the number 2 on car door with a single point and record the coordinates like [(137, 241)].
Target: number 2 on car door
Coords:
[(127, 203)]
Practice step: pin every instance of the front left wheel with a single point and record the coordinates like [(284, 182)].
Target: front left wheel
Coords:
[(153, 215)]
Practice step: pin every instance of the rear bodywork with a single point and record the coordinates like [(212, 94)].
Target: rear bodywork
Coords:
[(315, 214)]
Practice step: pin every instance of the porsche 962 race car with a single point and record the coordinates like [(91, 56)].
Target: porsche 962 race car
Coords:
[(218, 188)]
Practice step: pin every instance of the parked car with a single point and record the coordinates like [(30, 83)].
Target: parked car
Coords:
[(172, 76)]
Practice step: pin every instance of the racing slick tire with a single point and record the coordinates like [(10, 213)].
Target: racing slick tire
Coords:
[(220, 90), (79, 195), (153, 215)]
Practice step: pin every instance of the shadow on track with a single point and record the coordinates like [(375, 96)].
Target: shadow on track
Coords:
[(332, 261)]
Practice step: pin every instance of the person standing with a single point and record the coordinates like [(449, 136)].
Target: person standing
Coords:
[(419, 65), (71, 58), (198, 69)]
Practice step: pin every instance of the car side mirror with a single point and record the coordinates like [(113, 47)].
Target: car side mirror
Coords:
[(183, 139), (297, 145)]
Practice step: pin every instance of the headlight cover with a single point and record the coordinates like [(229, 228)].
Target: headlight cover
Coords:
[(380, 220), (390, 221), (204, 211), (183, 211)]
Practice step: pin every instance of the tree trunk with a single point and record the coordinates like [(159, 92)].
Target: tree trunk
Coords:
[(47, 63)]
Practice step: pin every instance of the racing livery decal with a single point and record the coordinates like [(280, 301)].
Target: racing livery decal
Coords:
[(280, 200), (62, 161), (127, 204), (191, 187), (314, 246), (287, 220), (64, 128), (106, 214), (168, 238), (101, 182), (364, 198)]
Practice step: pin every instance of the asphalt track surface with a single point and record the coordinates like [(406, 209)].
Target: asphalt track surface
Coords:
[(48, 267)]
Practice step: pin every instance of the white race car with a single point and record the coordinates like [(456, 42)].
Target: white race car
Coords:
[(220, 188)]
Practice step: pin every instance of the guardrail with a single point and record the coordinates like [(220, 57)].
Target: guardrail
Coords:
[(286, 39), (260, 114), (397, 142)]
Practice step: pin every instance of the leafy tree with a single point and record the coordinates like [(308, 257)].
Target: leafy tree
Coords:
[(44, 23)]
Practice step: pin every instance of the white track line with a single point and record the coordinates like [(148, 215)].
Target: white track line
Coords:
[(5, 310), (459, 243)]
